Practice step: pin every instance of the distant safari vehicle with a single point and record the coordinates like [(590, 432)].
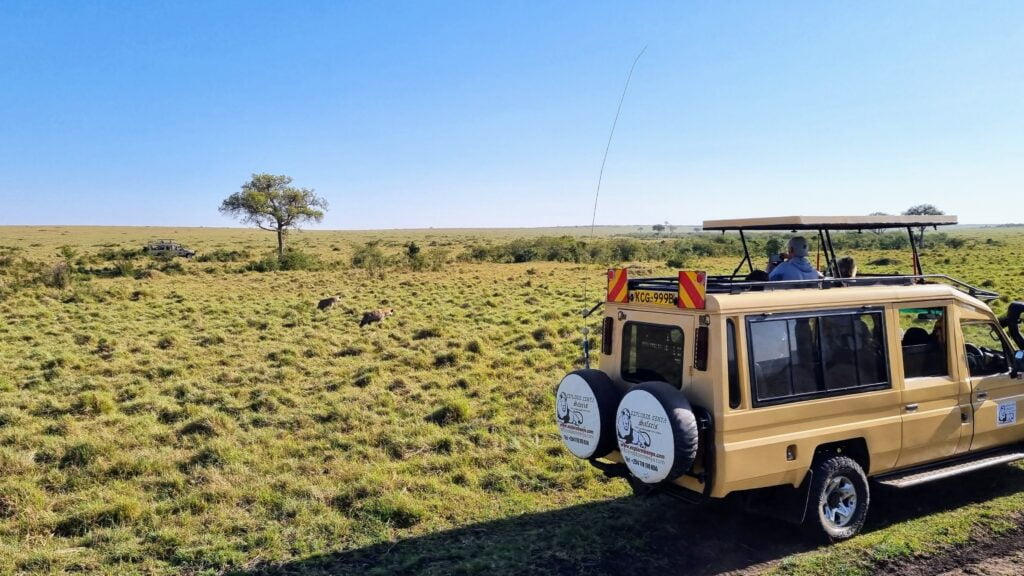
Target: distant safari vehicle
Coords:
[(792, 394), (167, 249)]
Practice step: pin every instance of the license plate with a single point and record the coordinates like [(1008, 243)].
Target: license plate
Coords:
[(654, 297)]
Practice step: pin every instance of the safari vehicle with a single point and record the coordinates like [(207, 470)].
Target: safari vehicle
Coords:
[(790, 395), (168, 249)]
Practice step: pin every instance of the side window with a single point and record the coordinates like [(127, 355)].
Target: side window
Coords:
[(784, 358), (853, 350), (733, 367), (817, 356), (986, 350), (924, 342), (652, 352)]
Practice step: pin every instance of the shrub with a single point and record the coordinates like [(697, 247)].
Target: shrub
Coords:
[(295, 259), (124, 268), (221, 255), (370, 257), (446, 359), (60, 276), (172, 267)]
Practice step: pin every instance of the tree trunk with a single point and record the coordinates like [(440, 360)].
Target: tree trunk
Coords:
[(280, 243)]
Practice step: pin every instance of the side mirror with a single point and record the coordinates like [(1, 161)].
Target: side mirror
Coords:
[(1018, 361)]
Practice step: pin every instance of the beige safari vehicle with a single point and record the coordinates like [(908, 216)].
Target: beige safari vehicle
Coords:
[(793, 395)]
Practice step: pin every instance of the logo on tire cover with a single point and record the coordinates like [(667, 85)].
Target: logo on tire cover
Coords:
[(579, 420), (644, 436)]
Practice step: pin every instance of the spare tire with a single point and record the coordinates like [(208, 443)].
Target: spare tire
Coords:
[(585, 404), (656, 432)]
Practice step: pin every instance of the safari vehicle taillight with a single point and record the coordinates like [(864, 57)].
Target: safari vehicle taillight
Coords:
[(700, 349), (606, 335)]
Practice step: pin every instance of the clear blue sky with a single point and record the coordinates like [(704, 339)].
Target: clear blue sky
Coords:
[(481, 114)]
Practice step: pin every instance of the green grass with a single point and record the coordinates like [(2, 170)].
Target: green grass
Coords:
[(206, 419)]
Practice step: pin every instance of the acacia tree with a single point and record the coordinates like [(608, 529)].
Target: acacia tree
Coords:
[(269, 202), (922, 210)]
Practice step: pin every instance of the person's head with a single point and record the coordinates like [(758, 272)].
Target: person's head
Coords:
[(798, 247), (847, 267)]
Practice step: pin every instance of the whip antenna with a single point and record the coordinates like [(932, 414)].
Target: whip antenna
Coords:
[(597, 195)]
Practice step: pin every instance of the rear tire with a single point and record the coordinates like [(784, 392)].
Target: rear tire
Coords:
[(837, 504)]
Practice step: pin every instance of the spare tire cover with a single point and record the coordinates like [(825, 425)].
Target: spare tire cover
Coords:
[(585, 404), (656, 432)]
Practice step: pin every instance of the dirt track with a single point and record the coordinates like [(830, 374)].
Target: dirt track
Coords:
[(988, 557)]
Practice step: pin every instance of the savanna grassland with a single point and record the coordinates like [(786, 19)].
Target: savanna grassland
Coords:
[(202, 416)]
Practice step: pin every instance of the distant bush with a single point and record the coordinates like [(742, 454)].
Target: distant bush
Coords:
[(221, 255), (370, 257), (293, 259), (172, 267), (116, 254)]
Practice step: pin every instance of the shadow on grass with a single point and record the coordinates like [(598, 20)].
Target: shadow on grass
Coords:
[(635, 535)]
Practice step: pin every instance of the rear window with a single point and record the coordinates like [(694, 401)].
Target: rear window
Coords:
[(652, 352)]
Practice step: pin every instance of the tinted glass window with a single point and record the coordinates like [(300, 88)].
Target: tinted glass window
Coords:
[(784, 354), (924, 342), (986, 351), (814, 356), (853, 350), (652, 352)]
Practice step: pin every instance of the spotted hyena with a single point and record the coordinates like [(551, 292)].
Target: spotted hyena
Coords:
[(327, 303), (375, 316)]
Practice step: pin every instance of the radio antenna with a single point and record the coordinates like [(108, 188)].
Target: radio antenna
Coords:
[(597, 195)]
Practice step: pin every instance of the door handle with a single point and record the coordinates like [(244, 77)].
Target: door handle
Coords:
[(982, 395), (911, 407)]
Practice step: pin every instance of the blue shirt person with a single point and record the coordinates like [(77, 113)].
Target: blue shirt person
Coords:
[(797, 267)]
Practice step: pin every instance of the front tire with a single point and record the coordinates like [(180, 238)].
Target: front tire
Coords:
[(839, 498)]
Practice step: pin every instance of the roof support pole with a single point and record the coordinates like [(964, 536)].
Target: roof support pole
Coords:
[(913, 249), (831, 251), (746, 256)]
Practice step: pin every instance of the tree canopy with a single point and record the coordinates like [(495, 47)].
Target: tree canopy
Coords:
[(923, 210), (269, 202)]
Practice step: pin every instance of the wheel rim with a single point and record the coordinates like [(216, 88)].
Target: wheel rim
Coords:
[(840, 502)]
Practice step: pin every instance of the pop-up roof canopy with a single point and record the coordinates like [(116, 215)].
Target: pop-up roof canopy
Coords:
[(824, 225), (829, 222)]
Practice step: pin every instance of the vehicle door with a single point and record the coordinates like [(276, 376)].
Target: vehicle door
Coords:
[(655, 345), (995, 391), (933, 417)]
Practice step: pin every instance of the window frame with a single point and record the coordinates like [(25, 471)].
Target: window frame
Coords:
[(1007, 349), (624, 353), (878, 311)]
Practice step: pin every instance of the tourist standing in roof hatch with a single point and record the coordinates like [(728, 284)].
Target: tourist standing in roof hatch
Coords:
[(797, 266)]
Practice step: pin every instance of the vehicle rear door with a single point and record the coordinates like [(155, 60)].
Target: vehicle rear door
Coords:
[(654, 345)]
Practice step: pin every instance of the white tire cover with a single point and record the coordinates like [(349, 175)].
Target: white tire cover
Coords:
[(579, 420), (645, 437)]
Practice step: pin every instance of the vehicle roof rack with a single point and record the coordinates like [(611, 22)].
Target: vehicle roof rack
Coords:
[(824, 225), (793, 223), (732, 285)]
